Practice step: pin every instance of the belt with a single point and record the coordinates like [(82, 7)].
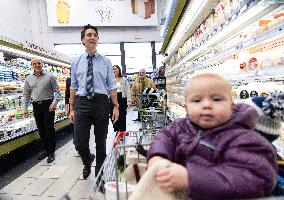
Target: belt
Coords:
[(93, 97), (43, 101)]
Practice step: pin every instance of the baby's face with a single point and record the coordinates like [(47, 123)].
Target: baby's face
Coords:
[(208, 103)]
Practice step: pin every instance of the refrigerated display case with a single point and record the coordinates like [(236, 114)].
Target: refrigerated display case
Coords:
[(241, 40), (16, 129)]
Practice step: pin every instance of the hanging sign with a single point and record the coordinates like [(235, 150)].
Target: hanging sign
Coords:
[(102, 12), (47, 52)]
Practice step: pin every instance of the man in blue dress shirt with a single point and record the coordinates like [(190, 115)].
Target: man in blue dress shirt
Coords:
[(92, 80)]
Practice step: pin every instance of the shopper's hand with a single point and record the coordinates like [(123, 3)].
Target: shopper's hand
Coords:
[(52, 107), (115, 114), (173, 178), (66, 108), (72, 116)]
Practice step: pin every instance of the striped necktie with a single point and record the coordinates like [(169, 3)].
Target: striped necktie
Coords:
[(90, 78)]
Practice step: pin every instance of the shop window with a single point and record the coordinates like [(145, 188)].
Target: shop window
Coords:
[(137, 56)]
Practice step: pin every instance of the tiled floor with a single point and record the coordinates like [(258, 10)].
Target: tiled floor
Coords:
[(51, 181)]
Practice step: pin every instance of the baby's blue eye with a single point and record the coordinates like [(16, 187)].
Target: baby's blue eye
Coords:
[(217, 99), (195, 100)]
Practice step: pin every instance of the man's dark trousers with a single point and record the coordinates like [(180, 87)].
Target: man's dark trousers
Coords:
[(87, 112), (45, 124)]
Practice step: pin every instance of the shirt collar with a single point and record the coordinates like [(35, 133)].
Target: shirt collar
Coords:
[(96, 54), (43, 72)]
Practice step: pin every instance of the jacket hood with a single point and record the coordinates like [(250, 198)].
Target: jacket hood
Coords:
[(244, 115)]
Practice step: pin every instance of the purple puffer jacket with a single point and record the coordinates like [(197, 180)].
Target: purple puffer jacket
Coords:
[(231, 161)]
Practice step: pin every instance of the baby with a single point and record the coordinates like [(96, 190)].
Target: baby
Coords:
[(217, 153)]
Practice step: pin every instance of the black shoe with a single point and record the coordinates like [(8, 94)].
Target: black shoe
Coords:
[(50, 158), (92, 158), (42, 156), (86, 171), (102, 187)]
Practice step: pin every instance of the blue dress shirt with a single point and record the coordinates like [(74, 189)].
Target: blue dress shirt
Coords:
[(104, 80)]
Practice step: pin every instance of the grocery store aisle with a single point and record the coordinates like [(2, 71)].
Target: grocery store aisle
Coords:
[(51, 181)]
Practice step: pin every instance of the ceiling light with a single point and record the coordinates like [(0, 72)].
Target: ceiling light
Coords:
[(30, 55)]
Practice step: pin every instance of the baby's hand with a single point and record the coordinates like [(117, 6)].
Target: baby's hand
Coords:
[(173, 178)]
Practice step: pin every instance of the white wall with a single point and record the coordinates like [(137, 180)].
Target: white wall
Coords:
[(23, 20), (27, 20), (15, 22)]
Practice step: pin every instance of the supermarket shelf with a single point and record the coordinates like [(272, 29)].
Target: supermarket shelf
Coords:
[(18, 132), (8, 133), (275, 74), (271, 34), (10, 110), (241, 19), (12, 95), (27, 138), (24, 126), (195, 14), (196, 51)]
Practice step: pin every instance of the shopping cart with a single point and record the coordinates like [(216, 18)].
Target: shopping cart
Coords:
[(116, 162), (153, 110), (152, 119)]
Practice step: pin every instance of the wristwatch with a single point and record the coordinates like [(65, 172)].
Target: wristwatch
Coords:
[(116, 105)]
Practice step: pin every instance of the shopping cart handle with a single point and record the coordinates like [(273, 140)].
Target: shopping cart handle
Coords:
[(119, 135)]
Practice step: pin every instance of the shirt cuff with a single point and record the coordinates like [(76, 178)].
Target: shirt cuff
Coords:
[(54, 101), (112, 88), (74, 88)]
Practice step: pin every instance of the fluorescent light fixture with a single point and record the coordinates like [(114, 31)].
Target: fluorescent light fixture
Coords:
[(30, 55), (190, 15)]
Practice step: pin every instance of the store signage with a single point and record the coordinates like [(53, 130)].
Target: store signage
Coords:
[(102, 12), (36, 48), (44, 51)]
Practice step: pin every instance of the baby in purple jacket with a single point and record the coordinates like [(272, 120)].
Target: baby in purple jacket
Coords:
[(217, 153)]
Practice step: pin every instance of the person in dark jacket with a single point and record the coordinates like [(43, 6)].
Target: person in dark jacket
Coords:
[(67, 96), (269, 124), (217, 153)]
